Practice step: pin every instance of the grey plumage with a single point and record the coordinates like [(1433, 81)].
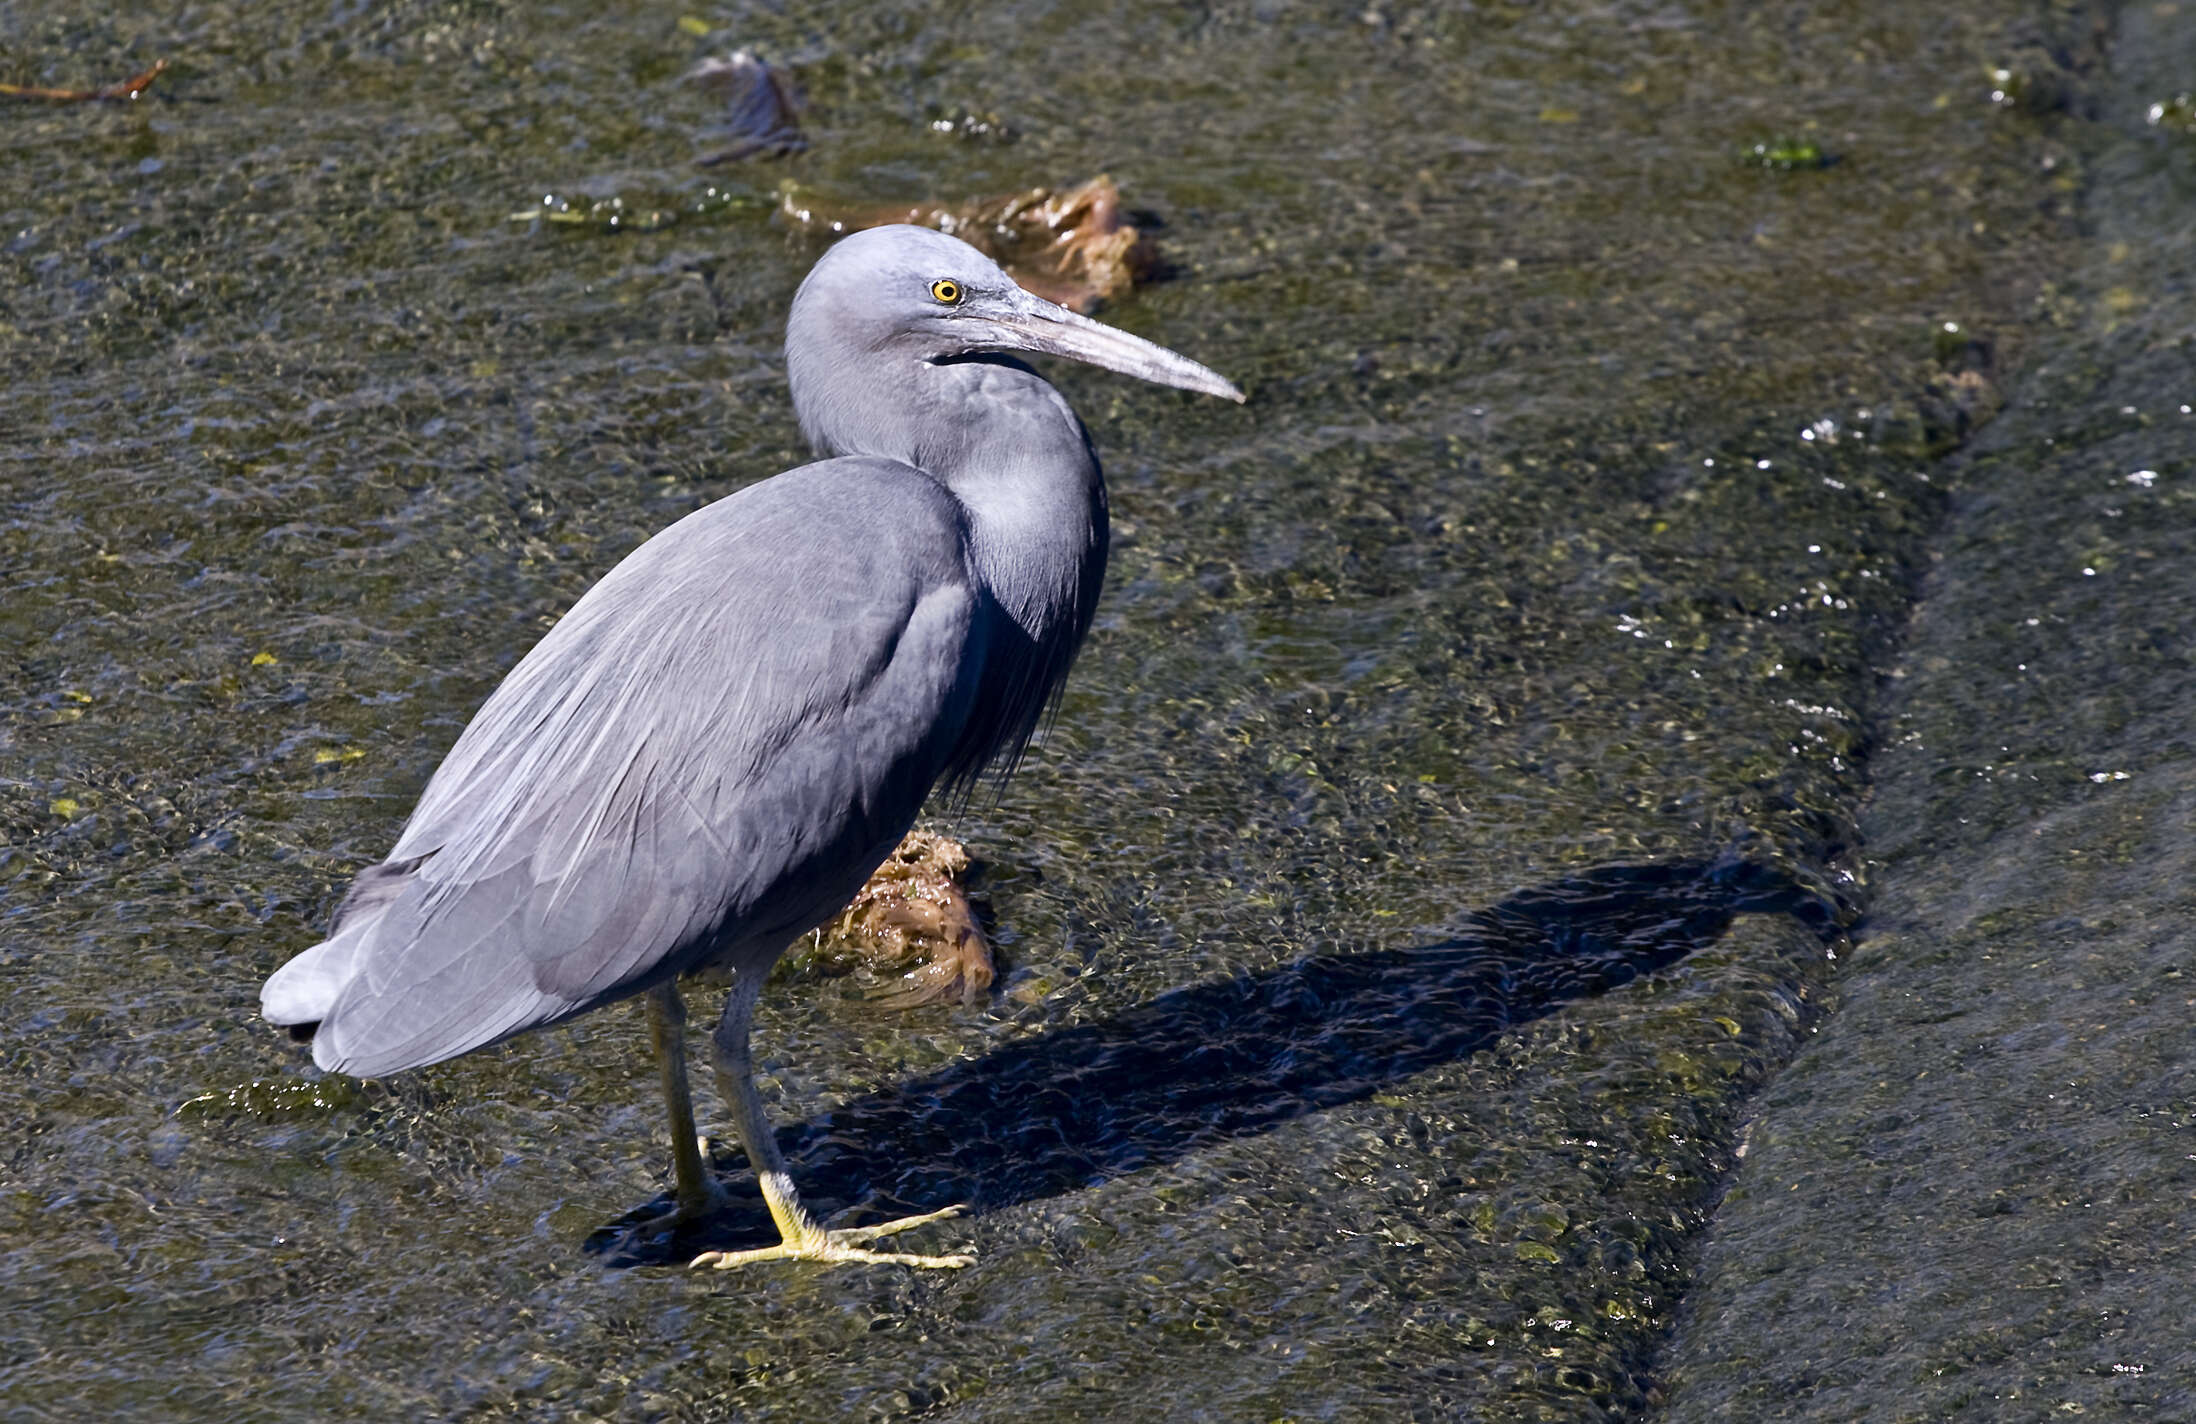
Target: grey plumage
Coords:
[(707, 756), (699, 755)]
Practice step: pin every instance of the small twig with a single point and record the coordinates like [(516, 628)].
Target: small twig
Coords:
[(127, 89)]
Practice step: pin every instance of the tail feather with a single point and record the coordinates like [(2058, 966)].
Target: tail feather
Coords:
[(303, 992), (399, 983)]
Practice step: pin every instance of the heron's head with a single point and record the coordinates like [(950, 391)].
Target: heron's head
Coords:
[(919, 294)]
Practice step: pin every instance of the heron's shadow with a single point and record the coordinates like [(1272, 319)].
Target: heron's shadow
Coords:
[(1225, 1059)]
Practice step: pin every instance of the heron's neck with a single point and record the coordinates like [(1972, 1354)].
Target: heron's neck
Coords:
[(1007, 445)]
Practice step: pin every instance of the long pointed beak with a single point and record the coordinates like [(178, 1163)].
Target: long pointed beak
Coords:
[(1038, 325)]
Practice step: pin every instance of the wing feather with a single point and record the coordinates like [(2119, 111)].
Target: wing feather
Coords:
[(713, 747)]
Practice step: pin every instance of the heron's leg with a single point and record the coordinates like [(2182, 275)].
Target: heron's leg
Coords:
[(698, 1192), (801, 1238)]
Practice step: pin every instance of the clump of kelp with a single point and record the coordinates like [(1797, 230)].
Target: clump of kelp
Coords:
[(912, 919), (1074, 246)]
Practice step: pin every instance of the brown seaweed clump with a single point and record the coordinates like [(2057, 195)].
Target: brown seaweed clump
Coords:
[(912, 917), (762, 109), (1067, 245)]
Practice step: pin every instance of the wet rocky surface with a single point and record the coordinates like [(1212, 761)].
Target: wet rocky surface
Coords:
[(1450, 824), (1971, 1196)]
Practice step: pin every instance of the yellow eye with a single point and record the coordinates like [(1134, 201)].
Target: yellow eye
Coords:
[(946, 290)]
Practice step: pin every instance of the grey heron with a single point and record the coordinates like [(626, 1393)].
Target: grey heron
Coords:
[(708, 754)]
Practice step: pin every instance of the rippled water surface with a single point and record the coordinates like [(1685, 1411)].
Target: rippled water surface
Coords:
[(1445, 829)]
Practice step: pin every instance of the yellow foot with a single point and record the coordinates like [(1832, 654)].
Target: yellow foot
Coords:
[(842, 1244)]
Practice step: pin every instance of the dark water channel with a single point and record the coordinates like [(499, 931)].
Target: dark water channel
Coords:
[(1449, 826)]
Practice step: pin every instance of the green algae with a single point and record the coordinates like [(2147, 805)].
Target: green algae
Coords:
[(1786, 155), (2177, 113)]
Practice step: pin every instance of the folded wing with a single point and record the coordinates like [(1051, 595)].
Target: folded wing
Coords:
[(711, 750)]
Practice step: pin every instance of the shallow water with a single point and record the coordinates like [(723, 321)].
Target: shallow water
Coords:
[(1585, 486)]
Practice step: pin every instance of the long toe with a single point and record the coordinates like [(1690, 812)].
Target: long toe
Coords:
[(843, 1246), (853, 1235), (829, 1253)]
